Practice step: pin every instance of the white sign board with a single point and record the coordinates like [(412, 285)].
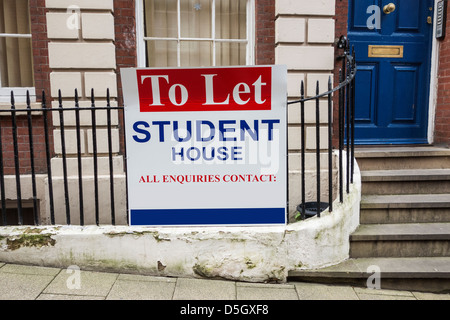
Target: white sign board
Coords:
[(206, 146)]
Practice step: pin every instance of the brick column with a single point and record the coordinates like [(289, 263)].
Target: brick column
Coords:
[(442, 120), (305, 34), (82, 56)]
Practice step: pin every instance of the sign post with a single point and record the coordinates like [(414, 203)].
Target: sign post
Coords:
[(206, 146)]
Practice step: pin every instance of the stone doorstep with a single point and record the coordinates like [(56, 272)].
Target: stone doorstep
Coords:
[(419, 268), (400, 152), (403, 231), (406, 175), (406, 201)]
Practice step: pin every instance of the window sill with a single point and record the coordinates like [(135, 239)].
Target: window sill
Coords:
[(20, 95), (5, 108)]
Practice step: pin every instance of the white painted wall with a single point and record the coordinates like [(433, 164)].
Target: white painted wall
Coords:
[(255, 254)]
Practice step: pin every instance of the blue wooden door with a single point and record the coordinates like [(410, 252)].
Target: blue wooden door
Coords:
[(393, 54)]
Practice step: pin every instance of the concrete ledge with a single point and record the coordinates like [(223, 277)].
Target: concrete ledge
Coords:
[(253, 254)]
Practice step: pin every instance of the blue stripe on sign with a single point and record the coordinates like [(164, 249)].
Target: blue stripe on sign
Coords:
[(244, 216)]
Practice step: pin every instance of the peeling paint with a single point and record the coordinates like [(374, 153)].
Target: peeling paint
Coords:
[(202, 270), (254, 254), (29, 240)]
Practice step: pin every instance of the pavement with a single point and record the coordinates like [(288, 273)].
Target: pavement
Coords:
[(20, 282)]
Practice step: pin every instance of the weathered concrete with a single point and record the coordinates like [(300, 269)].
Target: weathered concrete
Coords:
[(18, 282), (254, 254)]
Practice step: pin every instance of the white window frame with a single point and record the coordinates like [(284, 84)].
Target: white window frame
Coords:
[(141, 39), (20, 93)]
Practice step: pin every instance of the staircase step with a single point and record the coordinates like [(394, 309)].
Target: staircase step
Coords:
[(418, 181), (401, 240), (429, 274), (415, 208), (399, 158)]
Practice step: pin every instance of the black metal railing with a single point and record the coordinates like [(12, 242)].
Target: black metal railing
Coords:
[(346, 139), (20, 153), (27, 147)]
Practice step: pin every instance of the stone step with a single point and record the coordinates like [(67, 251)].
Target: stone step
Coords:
[(401, 158), (428, 274), (417, 181), (415, 208), (401, 240)]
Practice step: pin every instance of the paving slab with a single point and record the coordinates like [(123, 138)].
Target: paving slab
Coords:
[(83, 283), (32, 270), (430, 296), (312, 291), (383, 297), (49, 296), (14, 286), (129, 287), (382, 292), (202, 289), (258, 291)]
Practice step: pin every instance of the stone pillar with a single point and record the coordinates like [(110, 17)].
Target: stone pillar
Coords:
[(304, 42), (82, 56)]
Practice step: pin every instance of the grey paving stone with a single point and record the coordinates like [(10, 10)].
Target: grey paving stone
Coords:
[(312, 291), (49, 296), (142, 290), (383, 292), (22, 286), (202, 289), (36, 270), (257, 291), (137, 277), (430, 296), (367, 296), (88, 284)]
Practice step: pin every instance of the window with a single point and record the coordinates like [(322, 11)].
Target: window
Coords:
[(195, 33), (16, 65)]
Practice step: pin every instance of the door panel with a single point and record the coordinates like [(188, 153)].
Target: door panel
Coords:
[(392, 82), (365, 99), (408, 21), (405, 94)]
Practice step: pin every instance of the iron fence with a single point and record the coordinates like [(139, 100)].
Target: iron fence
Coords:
[(346, 137), (25, 158), (18, 140)]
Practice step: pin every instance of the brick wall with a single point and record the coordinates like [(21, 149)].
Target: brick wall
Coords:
[(442, 121), (265, 32), (40, 46), (125, 32), (23, 145), (41, 82), (341, 25), (304, 37)]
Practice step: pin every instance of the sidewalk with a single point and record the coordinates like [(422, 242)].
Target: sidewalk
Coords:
[(19, 282)]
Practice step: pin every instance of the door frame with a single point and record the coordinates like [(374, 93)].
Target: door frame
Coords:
[(434, 71), (434, 63)]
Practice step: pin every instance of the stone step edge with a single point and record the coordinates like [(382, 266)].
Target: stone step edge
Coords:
[(420, 268), (433, 231), (406, 201), (405, 175), (399, 152)]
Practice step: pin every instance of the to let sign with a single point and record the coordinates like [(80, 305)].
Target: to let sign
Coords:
[(206, 146)]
